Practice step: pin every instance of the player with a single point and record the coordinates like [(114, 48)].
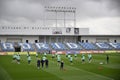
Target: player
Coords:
[(107, 59), (83, 59), (18, 59), (66, 55), (45, 54), (36, 54), (14, 57), (46, 63), (38, 63), (56, 54), (18, 54), (29, 59), (89, 58), (42, 62), (58, 59), (62, 65), (28, 54), (53, 56), (69, 56), (44, 58), (71, 60), (75, 55)]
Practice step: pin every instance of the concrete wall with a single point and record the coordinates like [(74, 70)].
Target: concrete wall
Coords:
[(50, 39), (100, 38), (23, 38)]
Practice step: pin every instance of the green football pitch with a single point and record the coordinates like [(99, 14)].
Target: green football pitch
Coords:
[(75, 71)]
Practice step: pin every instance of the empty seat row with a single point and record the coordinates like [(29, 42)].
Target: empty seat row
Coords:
[(60, 46), (115, 45), (88, 46), (103, 45)]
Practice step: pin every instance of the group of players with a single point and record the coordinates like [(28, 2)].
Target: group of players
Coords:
[(82, 58), (44, 61)]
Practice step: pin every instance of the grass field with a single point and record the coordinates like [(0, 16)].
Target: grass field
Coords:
[(77, 71)]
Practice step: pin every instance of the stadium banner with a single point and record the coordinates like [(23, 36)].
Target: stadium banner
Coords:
[(101, 52), (23, 53), (72, 52), (118, 51), (58, 52), (43, 51), (94, 51), (89, 51), (61, 52), (82, 51), (110, 51), (11, 53), (3, 53), (53, 51), (32, 52)]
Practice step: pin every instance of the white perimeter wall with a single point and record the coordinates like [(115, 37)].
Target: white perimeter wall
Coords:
[(23, 38), (61, 39), (100, 38)]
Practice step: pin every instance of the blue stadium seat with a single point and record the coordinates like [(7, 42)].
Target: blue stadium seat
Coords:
[(58, 46), (26, 46), (88, 46), (7, 46), (103, 45), (115, 45), (69, 46), (73, 46), (42, 47)]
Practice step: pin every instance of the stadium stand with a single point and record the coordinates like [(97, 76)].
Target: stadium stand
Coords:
[(26, 46), (103, 45), (68, 46), (42, 47), (58, 46), (115, 45), (73, 46), (7, 46), (88, 46)]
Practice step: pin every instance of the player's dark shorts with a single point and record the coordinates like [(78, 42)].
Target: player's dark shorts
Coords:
[(18, 60), (83, 60), (58, 61), (14, 58), (71, 61), (29, 61), (90, 59), (53, 57), (61, 66), (38, 65)]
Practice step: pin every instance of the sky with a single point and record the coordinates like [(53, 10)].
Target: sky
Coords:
[(100, 16)]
